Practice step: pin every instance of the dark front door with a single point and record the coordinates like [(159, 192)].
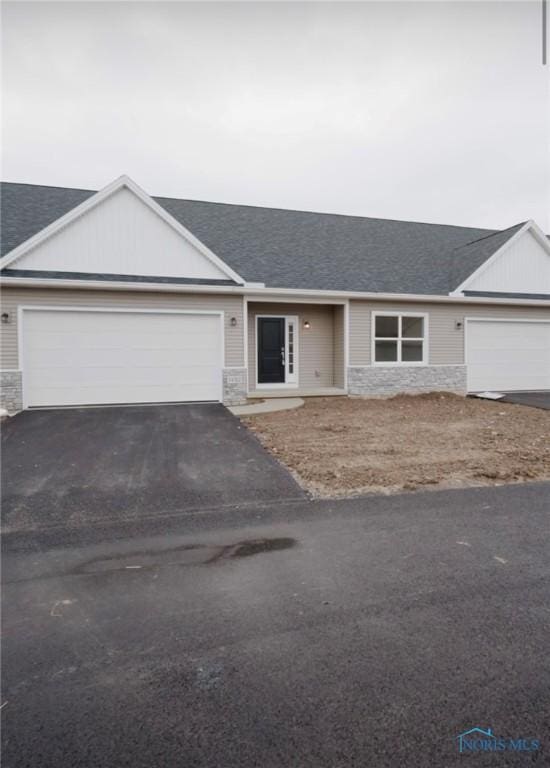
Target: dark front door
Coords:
[(271, 350)]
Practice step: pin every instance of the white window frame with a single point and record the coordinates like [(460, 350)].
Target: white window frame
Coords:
[(399, 339), (291, 379)]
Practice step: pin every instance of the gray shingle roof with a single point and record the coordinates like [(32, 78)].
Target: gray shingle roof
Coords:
[(28, 208), (293, 249)]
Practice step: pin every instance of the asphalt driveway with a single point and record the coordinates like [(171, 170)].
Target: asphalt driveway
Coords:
[(534, 399), (80, 466)]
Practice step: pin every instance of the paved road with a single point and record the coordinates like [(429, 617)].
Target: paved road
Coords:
[(366, 632)]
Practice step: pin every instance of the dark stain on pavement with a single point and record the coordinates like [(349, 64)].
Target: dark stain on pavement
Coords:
[(257, 546), (186, 555)]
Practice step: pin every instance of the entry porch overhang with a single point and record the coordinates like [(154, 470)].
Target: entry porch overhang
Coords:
[(296, 349)]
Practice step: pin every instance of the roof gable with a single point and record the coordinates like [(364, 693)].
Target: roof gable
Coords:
[(119, 231), (517, 261), (284, 248)]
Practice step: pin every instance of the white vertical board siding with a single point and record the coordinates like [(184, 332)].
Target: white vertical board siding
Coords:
[(120, 236), (507, 355), (12, 298), (446, 340), (94, 357), (524, 267), (315, 344)]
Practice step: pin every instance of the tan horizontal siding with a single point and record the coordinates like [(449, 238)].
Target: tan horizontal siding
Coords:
[(12, 298), (339, 343), (319, 346), (315, 345), (446, 342)]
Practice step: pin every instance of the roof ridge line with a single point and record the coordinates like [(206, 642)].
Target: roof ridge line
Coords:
[(324, 213), (273, 208), (50, 186)]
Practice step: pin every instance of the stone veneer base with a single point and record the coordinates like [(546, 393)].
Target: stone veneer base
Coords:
[(11, 391), (392, 380), (362, 380)]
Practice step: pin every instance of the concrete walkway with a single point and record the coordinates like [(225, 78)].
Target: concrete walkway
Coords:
[(267, 406)]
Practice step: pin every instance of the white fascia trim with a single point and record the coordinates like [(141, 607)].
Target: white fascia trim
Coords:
[(340, 297), (266, 294), (529, 226), (474, 319), (99, 197), (114, 285)]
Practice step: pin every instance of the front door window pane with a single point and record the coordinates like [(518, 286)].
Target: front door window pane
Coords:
[(291, 348)]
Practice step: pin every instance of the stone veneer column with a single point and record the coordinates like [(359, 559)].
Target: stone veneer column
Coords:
[(235, 386), (11, 391)]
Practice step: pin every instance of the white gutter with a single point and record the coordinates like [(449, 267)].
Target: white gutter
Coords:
[(253, 292), (113, 285)]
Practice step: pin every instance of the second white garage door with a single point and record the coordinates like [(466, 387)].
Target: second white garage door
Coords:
[(507, 355), (93, 357)]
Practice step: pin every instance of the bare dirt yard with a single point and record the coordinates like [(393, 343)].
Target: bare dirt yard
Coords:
[(342, 446)]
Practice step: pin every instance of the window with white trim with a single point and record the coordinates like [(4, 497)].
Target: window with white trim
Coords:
[(399, 338)]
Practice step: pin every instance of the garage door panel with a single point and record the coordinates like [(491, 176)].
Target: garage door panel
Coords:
[(524, 346), (73, 357), (508, 355), (121, 357), (117, 374), (100, 343), (48, 357), (54, 396), (101, 340), (513, 348)]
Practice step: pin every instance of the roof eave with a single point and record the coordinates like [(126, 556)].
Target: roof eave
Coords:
[(255, 293)]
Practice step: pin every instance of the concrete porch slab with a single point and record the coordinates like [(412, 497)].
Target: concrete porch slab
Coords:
[(298, 392), (268, 406)]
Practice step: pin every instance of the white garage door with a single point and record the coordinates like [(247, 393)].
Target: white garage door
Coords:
[(507, 355), (89, 357)]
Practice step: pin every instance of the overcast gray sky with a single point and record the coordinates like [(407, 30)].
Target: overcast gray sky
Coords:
[(421, 111)]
